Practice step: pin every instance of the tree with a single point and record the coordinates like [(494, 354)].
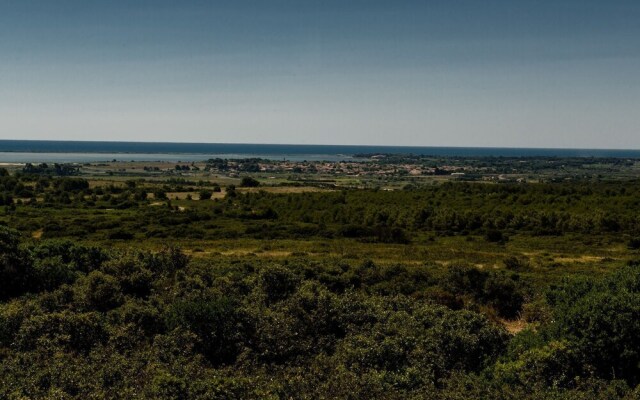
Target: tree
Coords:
[(248, 181), (99, 291), (231, 191), (495, 236), (215, 320), (16, 269)]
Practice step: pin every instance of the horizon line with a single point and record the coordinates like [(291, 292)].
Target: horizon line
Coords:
[(318, 145)]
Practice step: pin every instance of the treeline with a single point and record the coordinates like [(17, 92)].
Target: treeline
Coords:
[(83, 322), (463, 208), (507, 165), (489, 210), (52, 170), (29, 186)]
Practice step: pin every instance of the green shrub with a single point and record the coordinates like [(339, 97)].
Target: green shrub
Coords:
[(247, 181), (205, 195), (16, 270), (634, 244), (51, 272), (99, 291), (121, 235), (495, 236), (277, 283), (217, 322), (504, 294), (72, 331), (514, 263), (557, 364)]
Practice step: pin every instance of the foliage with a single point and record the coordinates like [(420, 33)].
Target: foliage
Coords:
[(248, 181), (114, 321), (279, 298)]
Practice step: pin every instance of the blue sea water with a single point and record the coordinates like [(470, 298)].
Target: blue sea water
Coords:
[(81, 151)]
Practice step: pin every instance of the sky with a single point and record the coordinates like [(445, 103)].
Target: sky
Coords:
[(494, 73)]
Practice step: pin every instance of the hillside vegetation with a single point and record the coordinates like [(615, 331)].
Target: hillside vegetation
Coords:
[(448, 291)]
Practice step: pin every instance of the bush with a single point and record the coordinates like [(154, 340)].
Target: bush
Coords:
[(11, 317), (134, 277), (495, 236), (425, 338), (167, 386), (503, 294), (247, 181), (384, 234), (73, 331), (538, 311), (277, 283), (497, 290), (121, 235), (143, 316), (51, 272), (231, 191), (99, 291), (215, 320), (605, 328), (82, 258), (556, 364), (16, 269), (355, 231), (205, 195), (514, 263), (602, 320), (462, 279)]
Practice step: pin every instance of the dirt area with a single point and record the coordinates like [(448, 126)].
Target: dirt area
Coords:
[(579, 259), (284, 189), (514, 327)]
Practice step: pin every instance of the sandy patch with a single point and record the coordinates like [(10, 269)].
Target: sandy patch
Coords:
[(579, 259), (514, 327), (284, 189)]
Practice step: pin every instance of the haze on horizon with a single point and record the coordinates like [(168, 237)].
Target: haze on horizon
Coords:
[(418, 73)]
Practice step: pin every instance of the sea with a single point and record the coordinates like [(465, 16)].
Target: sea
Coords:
[(23, 151)]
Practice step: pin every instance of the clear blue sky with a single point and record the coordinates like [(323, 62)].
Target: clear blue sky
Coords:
[(563, 73)]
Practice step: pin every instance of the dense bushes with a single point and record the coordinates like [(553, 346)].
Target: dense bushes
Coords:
[(205, 195), (16, 270), (80, 321), (215, 320), (91, 323), (43, 267), (592, 337), (71, 331), (497, 212), (190, 325), (247, 181), (634, 244), (602, 321), (504, 293)]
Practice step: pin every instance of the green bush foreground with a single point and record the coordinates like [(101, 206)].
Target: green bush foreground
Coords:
[(82, 322)]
